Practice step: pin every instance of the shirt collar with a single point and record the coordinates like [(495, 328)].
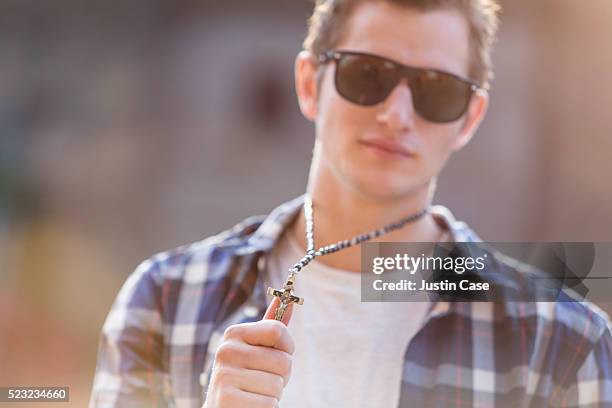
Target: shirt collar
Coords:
[(279, 219), (273, 226)]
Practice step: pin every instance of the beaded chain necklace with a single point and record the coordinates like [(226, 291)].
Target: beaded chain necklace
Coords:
[(286, 295)]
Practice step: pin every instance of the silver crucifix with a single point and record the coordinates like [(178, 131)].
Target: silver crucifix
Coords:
[(286, 297)]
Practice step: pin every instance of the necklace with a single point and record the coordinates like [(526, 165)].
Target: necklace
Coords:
[(286, 295)]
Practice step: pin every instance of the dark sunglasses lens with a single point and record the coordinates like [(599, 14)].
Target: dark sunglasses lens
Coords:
[(365, 80), (439, 97)]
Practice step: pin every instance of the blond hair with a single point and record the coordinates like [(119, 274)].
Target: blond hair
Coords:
[(329, 17)]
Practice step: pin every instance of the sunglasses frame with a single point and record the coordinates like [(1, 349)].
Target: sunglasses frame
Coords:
[(336, 55)]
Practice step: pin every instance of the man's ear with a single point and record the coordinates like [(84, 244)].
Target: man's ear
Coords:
[(475, 115), (306, 84)]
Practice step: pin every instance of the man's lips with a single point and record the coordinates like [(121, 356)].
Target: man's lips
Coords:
[(386, 146)]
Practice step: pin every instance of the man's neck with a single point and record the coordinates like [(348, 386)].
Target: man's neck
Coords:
[(342, 216)]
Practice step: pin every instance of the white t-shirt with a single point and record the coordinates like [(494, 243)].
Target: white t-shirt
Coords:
[(347, 353)]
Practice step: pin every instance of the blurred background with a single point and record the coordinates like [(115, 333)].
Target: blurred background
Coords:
[(127, 128)]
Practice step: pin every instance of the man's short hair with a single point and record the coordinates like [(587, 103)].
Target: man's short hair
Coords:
[(327, 22)]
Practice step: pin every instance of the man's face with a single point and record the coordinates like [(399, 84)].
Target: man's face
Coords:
[(350, 137)]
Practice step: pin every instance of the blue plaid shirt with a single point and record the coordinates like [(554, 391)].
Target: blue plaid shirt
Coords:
[(158, 343)]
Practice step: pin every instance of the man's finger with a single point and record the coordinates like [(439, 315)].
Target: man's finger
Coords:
[(268, 333)]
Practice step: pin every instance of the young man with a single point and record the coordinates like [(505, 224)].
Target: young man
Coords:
[(394, 87)]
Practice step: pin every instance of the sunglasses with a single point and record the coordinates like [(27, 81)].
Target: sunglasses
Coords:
[(367, 80)]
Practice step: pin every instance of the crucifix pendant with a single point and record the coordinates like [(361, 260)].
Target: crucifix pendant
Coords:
[(286, 297)]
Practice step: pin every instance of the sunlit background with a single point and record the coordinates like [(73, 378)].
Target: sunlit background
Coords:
[(131, 127)]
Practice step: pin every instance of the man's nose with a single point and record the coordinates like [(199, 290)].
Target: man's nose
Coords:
[(397, 111)]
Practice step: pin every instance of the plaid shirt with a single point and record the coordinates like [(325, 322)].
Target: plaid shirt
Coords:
[(158, 343)]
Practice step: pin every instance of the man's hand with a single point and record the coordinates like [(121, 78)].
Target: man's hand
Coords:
[(252, 364)]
